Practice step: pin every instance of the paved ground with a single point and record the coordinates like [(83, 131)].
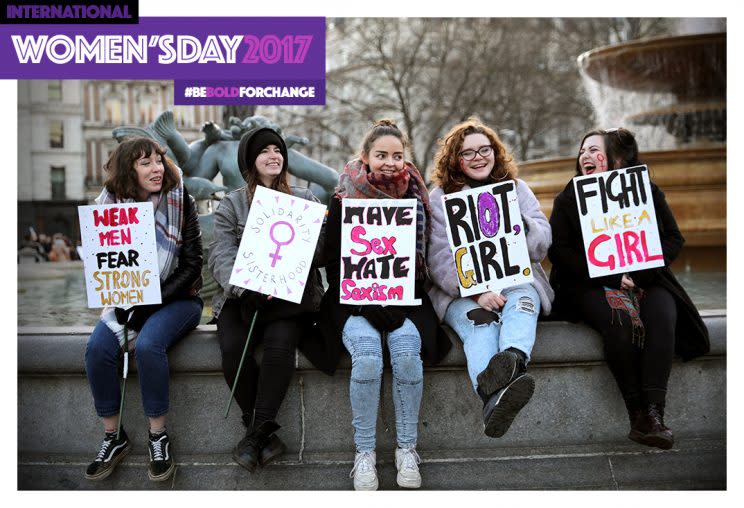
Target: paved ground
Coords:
[(692, 464)]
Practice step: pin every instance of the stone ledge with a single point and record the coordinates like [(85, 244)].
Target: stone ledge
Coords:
[(62, 350)]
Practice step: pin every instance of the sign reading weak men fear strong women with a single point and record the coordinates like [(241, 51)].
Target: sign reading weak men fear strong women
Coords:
[(278, 244), (378, 252), (618, 221), (119, 254), (487, 238)]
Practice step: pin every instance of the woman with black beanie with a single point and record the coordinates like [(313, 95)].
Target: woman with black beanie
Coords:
[(260, 390)]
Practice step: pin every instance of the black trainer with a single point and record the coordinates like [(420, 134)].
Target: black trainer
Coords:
[(111, 452), (161, 461), (502, 369), (504, 405)]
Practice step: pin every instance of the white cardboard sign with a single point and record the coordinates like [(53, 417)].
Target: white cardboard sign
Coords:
[(618, 221), (278, 244), (378, 252), (487, 238), (119, 254)]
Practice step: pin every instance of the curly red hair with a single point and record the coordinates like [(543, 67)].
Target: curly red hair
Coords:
[(447, 173)]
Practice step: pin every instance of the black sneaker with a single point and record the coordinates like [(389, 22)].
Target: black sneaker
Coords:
[(504, 405), (161, 461), (502, 369), (111, 452)]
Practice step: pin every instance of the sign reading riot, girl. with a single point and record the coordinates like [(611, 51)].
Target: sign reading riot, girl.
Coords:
[(487, 238)]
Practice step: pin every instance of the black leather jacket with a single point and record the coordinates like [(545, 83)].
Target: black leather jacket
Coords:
[(186, 279)]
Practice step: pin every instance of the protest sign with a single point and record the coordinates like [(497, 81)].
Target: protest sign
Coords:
[(278, 244), (618, 221), (487, 238), (119, 254), (378, 252)]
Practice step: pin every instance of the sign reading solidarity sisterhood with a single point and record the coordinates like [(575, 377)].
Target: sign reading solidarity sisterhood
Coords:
[(278, 244), (618, 221), (487, 238), (120, 256), (378, 252)]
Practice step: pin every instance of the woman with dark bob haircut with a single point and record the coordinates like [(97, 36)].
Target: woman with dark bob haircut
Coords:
[(138, 170), (643, 316)]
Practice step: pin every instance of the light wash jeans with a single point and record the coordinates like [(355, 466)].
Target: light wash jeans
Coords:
[(515, 327), (364, 344)]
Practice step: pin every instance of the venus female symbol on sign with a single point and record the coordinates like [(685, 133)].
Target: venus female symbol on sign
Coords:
[(279, 244)]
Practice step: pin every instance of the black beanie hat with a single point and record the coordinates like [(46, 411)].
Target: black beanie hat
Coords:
[(251, 145)]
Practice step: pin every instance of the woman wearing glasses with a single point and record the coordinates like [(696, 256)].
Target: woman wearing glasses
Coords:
[(497, 329), (642, 316)]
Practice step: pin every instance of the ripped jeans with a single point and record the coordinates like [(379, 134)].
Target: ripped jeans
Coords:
[(515, 326), (364, 344)]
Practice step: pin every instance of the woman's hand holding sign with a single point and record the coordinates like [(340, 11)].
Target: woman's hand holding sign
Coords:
[(491, 301)]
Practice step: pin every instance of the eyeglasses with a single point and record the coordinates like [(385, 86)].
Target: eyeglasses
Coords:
[(483, 151)]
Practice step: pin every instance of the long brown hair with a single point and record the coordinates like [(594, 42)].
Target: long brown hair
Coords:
[(248, 153), (621, 148), (447, 173), (121, 178)]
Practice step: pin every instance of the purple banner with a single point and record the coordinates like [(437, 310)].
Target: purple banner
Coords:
[(255, 92), (266, 49)]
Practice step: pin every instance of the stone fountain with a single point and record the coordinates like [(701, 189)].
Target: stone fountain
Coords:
[(671, 91)]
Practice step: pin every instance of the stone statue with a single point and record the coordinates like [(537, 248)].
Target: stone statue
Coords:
[(217, 153)]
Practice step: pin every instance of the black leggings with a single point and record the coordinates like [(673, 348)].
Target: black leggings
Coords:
[(261, 388), (641, 373)]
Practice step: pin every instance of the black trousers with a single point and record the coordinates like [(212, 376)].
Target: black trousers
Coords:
[(641, 373), (260, 388)]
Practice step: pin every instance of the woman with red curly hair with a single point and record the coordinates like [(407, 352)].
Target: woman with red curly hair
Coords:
[(497, 329)]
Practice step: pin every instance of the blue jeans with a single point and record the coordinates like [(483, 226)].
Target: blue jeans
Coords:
[(515, 327), (161, 330), (364, 344)]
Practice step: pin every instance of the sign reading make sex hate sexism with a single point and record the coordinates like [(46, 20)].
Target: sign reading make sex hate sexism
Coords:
[(378, 252), (487, 238), (618, 221), (119, 254), (278, 244)]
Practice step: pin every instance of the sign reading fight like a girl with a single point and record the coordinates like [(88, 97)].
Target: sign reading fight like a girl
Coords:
[(119, 254), (378, 252), (487, 238), (278, 244), (618, 221)]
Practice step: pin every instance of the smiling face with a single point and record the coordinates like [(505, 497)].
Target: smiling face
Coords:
[(479, 167), (385, 156), (593, 155), (269, 164), (149, 169)]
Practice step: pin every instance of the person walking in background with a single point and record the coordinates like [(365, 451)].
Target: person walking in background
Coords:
[(642, 316), (497, 329), (137, 171)]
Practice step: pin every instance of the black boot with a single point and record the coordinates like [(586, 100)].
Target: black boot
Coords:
[(635, 416), (249, 452)]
